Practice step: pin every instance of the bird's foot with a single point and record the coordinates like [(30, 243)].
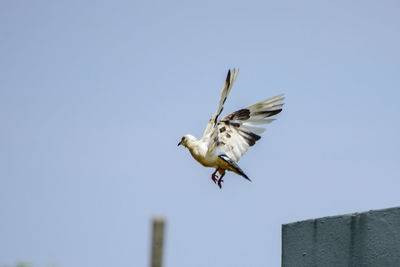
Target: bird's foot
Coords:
[(219, 182), (214, 177)]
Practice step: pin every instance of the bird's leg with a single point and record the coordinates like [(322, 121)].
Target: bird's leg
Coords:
[(214, 176), (220, 180)]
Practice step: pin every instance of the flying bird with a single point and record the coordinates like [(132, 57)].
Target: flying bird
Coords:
[(226, 140)]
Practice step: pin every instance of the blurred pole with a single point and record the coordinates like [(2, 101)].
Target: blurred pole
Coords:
[(157, 242)]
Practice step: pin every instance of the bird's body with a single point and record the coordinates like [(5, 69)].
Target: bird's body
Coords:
[(226, 140), (201, 153)]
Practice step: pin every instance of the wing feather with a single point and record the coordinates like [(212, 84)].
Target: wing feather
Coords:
[(240, 129), (230, 79)]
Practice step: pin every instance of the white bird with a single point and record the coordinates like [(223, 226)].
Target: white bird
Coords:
[(226, 140)]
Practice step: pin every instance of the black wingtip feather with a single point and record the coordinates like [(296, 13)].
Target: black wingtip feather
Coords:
[(242, 115), (269, 113), (228, 77), (251, 138)]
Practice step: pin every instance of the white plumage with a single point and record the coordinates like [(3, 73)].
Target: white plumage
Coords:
[(225, 141)]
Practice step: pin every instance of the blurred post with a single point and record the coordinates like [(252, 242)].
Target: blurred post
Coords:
[(157, 242)]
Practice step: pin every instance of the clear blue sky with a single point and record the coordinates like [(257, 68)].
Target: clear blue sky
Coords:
[(94, 97)]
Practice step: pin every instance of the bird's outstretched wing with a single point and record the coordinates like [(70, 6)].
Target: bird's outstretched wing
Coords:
[(211, 126), (240, 129)]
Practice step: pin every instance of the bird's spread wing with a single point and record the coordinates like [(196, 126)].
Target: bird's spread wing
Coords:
[(240, 129), (211, 126)]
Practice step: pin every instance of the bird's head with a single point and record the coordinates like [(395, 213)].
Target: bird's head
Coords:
[(186, 139)]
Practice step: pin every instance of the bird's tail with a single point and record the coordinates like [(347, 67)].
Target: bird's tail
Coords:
[(233, 165)]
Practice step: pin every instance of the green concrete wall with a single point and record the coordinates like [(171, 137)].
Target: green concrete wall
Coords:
[(368, 239)]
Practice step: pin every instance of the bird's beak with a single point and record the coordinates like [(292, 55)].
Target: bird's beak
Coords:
[(179, 143)]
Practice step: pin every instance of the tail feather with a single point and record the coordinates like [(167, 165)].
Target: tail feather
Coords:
[(234, 165)]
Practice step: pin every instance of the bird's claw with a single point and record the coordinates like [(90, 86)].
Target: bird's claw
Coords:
[(214, 178), (219, 183)]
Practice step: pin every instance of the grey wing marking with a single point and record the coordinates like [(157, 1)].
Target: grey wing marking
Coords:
[(240, 129)]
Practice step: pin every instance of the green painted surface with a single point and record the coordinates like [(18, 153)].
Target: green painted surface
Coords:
[(368, 239)]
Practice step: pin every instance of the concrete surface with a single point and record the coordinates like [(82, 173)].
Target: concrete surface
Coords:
[(368, 239)]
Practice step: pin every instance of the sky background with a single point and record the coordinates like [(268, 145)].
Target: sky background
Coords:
[(95, 96)]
